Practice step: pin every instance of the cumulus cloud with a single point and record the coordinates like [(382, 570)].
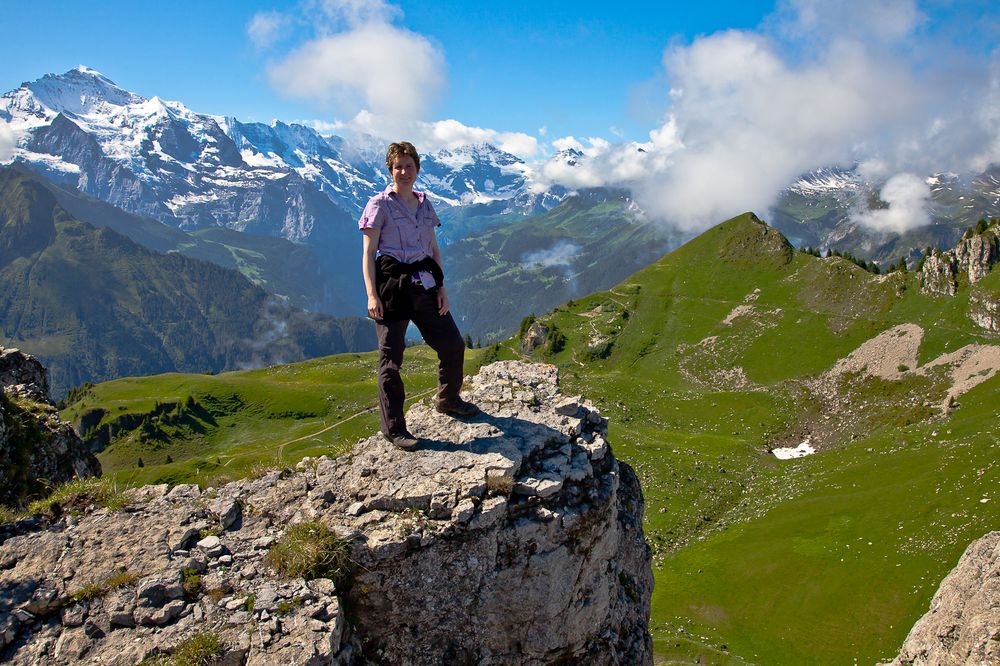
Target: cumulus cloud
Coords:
[(821, 84), (908, 197), (8, 142), (353, 61)]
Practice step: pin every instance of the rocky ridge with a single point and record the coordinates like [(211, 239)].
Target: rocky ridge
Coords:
[(513, 537), (963, 623), (37, 450), (973, 259)]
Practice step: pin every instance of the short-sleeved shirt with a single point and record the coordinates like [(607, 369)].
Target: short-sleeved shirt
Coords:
[(405, 235)]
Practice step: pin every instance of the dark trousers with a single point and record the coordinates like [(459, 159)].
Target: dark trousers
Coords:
[(438, 331)]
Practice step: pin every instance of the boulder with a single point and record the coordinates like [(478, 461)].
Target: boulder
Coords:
[(511, 537)]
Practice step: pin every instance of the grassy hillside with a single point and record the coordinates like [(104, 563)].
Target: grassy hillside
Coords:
[(281, 267), (704, 361), (210, 429), (824, 559)]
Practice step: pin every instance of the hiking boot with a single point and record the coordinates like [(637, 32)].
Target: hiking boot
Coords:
[(457, 407), (402, 440)]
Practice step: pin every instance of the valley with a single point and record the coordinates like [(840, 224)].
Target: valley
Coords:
[(730, 346)]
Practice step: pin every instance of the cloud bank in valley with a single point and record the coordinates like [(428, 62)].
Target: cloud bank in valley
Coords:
[(822, 84), (8, 142)]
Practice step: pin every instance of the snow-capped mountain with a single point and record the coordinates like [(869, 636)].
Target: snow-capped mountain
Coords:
[(160, 159)]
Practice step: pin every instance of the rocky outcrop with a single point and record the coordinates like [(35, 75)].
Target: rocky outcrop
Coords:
[(963, 623), (938, 275), (22, 374), (37, 450), (512, 537), (976, 255), (984, 310), (973, 256)]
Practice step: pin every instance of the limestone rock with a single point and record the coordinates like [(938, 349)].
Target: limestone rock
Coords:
[(985, 312), (20, 369), (41, 449), (974, 256), (534, 337), (511, 537), (963, 622), (938, 275)]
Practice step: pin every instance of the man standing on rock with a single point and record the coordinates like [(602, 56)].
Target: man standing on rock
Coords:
[(404, 283)]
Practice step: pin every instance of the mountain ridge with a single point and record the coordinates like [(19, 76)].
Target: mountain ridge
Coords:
[(93, 304)]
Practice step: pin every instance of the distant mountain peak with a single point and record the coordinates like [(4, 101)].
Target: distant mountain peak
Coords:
[(79, 92)]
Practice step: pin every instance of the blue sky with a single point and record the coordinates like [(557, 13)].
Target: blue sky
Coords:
[(576, 68), (703, 110)]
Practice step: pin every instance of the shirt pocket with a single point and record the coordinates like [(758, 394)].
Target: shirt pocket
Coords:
[(400, 224), (426, 224)]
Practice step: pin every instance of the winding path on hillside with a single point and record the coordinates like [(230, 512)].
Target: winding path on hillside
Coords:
[(279, 453)]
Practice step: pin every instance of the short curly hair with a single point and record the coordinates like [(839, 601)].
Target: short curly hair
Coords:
[(401, 148)]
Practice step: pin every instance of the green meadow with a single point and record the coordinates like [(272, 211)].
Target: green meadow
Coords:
[(703, 362)]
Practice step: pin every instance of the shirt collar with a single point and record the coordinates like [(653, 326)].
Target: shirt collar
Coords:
[(420, 195)]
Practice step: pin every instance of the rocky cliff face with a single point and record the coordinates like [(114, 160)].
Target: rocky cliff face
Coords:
[(963, 623), (37, 450), (972, 258), (514, 537)]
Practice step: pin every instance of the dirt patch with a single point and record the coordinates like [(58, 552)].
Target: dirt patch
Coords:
[(739, 311), (970, 366), (888, 355)]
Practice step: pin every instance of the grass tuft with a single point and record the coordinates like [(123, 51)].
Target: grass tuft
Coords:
[(102, 587), (201, 649), (310, 550), (78, 495)]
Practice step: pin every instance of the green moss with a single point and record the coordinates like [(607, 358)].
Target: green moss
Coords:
[(191, 582)]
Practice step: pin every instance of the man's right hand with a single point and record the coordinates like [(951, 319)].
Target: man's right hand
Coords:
[(374, 307)]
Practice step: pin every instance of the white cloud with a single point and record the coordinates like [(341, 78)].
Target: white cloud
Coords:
[(434, 135), (908, 197), (822, 84), (352, 13), (561, 253), (8, 142), (884, 20), (567, 143), (358, 61), (360, 68), (266, 28)]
